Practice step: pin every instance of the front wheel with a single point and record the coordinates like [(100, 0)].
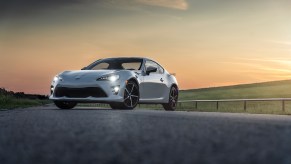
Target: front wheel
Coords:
[(131, 97), (65, 104), (173, 99), (115, 105)]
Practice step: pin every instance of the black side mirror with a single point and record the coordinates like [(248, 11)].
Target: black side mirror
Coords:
[(151, 69)]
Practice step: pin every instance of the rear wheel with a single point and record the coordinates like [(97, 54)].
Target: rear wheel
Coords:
[(65, 104), (173, 99), (131, 97)]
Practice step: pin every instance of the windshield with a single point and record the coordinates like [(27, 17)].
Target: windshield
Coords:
[(116, 64)]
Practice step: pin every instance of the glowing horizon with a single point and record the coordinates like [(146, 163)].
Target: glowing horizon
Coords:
[(205, 42)]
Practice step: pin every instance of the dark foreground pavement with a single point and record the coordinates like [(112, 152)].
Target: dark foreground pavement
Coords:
[(46, 135)]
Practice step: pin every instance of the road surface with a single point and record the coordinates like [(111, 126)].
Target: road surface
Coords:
[(46, 135)]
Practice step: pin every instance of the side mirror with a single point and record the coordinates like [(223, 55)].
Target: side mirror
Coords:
[(84, 68), (151, 69)]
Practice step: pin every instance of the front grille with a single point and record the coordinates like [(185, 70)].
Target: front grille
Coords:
[(79, 92)]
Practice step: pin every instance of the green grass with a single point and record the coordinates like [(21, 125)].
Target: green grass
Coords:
[(10, 102), (276, 89), (266, 107)]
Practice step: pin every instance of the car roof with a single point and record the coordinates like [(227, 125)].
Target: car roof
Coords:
[(128, 58), (143, 58)]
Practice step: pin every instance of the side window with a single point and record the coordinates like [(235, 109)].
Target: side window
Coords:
[(151, 63), (160, 70)]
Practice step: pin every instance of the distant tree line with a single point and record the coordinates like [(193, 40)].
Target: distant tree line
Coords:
[(22, 95)]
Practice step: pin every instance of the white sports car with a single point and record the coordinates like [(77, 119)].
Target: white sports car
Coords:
[(121, 82)]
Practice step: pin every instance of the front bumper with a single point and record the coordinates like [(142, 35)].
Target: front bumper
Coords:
[(106, 86)]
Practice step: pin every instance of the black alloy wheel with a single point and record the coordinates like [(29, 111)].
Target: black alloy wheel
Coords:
[(173, 99), (131, 95)]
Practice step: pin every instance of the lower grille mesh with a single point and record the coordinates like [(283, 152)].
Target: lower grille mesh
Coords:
[(79, 92)]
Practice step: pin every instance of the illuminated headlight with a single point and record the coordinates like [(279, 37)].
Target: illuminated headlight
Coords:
[(111, 78), (57, 78)]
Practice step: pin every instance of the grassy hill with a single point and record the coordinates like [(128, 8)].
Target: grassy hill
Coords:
[(274, 89)]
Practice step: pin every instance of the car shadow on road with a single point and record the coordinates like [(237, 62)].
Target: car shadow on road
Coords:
[(87, 108), (53, 107)]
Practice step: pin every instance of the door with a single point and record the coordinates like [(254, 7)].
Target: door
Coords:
[(153, 86)]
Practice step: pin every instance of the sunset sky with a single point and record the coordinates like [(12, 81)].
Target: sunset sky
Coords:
[(205, 42)]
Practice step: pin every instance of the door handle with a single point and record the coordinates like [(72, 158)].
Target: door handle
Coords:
[(161, 80)]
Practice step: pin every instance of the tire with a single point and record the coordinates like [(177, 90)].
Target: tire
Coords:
[(65, 104), (131, 97), (173, 99), (115, 105)]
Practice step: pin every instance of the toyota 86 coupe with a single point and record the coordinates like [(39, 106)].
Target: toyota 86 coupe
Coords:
[(120, 82)]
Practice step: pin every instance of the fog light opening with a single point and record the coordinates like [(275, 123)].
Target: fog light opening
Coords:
[(115, 89)]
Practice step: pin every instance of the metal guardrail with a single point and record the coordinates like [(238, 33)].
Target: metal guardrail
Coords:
[(236, 100)]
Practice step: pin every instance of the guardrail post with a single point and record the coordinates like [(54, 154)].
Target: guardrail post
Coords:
[(245, 105), (196, 104), (217, 105), (283, 105)]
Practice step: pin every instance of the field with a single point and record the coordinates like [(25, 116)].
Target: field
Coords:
[(10, 100), (275, 89)]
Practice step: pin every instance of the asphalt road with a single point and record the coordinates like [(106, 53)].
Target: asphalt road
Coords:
[(46, 135)]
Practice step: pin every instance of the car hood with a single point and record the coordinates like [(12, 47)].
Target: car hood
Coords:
[(85, 74)]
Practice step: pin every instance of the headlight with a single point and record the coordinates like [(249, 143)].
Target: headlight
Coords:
[(111, 78), (57, 78)]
